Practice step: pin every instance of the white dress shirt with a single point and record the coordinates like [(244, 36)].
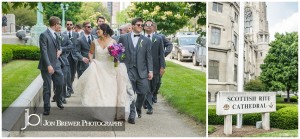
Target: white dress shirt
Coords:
[(134, 39)]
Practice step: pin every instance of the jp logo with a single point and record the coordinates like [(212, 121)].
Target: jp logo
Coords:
[(27, 117)]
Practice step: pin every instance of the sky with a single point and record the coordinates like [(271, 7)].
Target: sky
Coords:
[(282, 17)]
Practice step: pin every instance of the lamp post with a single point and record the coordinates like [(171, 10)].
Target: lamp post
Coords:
[(63, 14)]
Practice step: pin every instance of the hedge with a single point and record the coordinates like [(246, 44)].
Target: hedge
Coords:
[(286, 117), (10, 52)]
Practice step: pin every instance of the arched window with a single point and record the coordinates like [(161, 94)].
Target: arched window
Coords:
[(248, 20)]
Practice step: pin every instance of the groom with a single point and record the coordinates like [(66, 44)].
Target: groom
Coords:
[(139, 64)]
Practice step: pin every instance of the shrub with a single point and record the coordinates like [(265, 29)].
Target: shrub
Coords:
[(20, 52), (292, 99), (7, 55), (254, 85), (286, 117)]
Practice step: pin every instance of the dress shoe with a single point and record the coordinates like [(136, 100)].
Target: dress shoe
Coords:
[(145, 106), (64, 101), (46, 112), (131, 121), (149, 112), (59, 104), (52, 100), (139, 113)]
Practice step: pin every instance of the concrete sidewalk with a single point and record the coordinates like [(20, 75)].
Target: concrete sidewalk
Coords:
[(164, 122)]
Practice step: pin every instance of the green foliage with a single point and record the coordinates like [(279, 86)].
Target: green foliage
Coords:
[(21, 52), (280, 68), (169, 16), (285, 118), (90, 11), (122, 17), (54, 9), (8, 6), (286, 115), (292, 99), (211, 129), (280, 133), (254, 85), (7, 55)]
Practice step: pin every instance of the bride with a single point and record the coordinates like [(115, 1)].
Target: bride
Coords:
[(105, 89)]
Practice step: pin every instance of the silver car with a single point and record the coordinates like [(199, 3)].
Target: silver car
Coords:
[(184, 47)]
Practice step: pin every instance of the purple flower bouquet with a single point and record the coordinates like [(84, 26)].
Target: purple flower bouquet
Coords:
[(117, 51)]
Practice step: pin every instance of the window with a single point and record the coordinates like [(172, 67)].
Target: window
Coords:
[(217, 7), (235, 73), (213, 69), (215, 35), (261, 54), (235, 41), (236, 17), (248, 20)]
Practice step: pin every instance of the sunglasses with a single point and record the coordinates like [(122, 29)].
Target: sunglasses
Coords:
[(69, 24), (88, 26), (148, 25), (120, 29), (139, 25)]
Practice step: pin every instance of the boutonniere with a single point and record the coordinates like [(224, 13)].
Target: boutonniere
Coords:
[(141, 43), (154, 40), (71, 38), (61, 38)]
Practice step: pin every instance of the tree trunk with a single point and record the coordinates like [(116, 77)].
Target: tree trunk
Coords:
[(288, 95)]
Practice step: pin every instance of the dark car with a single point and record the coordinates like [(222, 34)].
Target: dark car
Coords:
[(199, 55), (184, 47)]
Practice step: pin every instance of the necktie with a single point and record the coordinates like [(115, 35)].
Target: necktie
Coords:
[(136, 35), (89, 40), (69, 35)]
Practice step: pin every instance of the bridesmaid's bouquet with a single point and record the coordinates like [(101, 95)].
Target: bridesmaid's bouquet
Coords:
[(117, 51)]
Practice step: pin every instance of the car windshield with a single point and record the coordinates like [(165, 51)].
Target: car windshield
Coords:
[(187, 41)]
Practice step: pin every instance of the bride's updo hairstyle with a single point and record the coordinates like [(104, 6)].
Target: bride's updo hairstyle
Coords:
[(106, 29)]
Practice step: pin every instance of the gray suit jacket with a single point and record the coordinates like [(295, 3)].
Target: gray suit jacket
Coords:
[(158, 55), (82, 50), (66, 46), (168, 46), (94, 33), (48, 49), (74, 37), (144, 57)]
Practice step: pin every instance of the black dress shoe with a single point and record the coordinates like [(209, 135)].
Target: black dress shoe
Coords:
[(149, 112), (139, 113), (145, 106), (59, 104), (154, 100), (46, 112), (64, 101), (131, 121)]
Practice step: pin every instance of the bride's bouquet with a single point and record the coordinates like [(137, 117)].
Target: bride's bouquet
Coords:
[(117, 51)]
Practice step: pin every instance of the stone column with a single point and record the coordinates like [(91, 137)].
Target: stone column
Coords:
[(228, 124), (37, 29), (265, 121)]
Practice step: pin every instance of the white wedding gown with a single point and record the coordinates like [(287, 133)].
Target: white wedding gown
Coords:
[(105, 90)]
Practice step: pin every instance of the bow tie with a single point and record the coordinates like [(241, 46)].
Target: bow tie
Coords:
[(137, 35)]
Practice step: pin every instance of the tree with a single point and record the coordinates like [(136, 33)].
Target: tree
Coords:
[(280, 68), (169, 16), (254, 85), (8, 6), (54, 9), (90, 12), (122, 17)]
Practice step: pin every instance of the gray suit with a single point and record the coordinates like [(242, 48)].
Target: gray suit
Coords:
[(138, 62), (66, 46), (72, 58), (83, 49), (94, 33), (158, 58), (48, 49)]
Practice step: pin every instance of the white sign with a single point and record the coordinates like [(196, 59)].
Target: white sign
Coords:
[(245, 102)]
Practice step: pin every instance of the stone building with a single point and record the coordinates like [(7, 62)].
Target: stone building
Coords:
[(223, 40)]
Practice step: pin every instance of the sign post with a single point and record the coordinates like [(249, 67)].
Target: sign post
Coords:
[(229, 103)]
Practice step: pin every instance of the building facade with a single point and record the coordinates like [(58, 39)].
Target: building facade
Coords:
[(223, 40)]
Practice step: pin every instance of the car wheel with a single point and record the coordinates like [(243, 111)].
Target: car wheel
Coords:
[(195, 63), (179, 57)]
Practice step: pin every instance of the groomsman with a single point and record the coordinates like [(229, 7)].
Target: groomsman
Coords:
[(71, 55), (139, 65), (83, 44), (168, 46), (66, 47), (100, 20), (158, 58), (78, 29), (123, 30), (49, 63)]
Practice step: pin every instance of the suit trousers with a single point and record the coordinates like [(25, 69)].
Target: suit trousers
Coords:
[(73, 69), (141, 88), (58, 78), (67, 82), (153, 84)]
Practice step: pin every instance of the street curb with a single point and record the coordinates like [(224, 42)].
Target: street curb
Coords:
[(13, 117)]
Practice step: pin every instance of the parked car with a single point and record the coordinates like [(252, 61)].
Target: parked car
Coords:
[(199, 55), (184, 47)]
